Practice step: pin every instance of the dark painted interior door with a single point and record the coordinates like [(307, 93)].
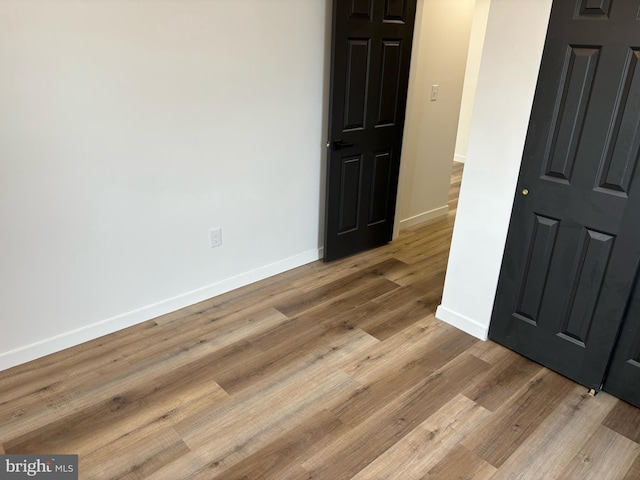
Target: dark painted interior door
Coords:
[(371, 54), (574, 240), (623, 378)]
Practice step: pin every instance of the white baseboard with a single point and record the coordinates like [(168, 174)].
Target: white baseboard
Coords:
[(459, 158), (463, 323), (423, 217), (90, 332)]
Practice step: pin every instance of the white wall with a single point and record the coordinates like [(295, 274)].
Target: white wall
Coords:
[(441, 42), (508, 73), (474, 56), (127, 130)]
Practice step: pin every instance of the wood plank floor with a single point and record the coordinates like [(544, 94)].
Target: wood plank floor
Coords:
[(329, 372)]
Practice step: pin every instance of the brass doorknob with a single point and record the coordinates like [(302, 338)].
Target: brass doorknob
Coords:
[(525, 192)]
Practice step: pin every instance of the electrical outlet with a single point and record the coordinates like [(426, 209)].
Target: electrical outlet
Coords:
[(215, 237)]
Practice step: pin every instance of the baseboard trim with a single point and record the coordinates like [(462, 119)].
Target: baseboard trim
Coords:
[(423, 217), (72, 338), (463, 323)]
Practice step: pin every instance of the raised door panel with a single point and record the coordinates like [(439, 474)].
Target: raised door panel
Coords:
[(623, 142), (536, 270), (389, 83), (357, 84), (594, 8), (361, 10), (587, 275), (381, 188), (395, 11), (350, 187), (570, 109)]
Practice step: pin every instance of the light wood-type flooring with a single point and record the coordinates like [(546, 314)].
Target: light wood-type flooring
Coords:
[(329, 371)]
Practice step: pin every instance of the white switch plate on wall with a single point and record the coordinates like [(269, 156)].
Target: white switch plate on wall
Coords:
[(434, 92)]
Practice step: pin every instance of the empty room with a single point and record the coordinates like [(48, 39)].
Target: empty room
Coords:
[(320, 239)]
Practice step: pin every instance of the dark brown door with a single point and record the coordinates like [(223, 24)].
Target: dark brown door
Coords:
[(574, 239), (371, 54), (623, 378)]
